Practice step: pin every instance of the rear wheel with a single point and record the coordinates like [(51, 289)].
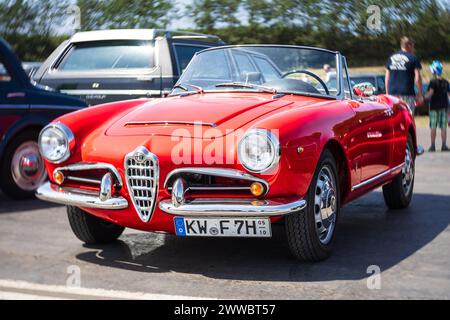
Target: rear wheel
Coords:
[(310, 232), (90, 229), (22, 169), (398, 193)]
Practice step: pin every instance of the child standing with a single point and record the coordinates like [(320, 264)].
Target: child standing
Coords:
[(438, 91)]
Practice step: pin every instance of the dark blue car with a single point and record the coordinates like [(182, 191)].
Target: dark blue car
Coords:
[(25, 108)]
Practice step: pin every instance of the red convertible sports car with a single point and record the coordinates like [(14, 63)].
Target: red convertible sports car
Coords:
[(249, 135)]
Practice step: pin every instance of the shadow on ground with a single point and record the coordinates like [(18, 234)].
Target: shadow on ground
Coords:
[(8, 205), (368, 234)]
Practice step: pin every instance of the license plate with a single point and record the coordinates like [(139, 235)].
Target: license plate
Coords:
[(223, 227)]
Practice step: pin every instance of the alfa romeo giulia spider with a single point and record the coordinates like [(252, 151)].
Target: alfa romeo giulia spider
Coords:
[(249, 136)]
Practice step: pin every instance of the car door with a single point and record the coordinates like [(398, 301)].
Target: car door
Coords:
[(370, 135), (13, 100), (373, 133)]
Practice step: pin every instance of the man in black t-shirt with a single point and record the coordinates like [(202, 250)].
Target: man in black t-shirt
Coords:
[(438, 91), (402, 71)]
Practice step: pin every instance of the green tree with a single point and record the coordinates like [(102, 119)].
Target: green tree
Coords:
[(209, 15), (101, 14), (29, 26)]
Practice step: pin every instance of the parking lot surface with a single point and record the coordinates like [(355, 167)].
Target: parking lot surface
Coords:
[(39, 255)]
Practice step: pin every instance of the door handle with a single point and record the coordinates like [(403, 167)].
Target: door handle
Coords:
[(389, 112), (15, 95)]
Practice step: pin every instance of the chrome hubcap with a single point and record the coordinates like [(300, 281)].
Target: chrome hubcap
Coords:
[(408, 171), (27, 167), (325, 205)]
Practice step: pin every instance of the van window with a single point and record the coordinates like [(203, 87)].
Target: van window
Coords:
[(200, 70), (109, 55), (244, 63), (4, 74), (184, 54), (268, 70)]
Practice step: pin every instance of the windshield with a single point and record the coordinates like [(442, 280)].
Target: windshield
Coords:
[(107, 55), (280, 69)]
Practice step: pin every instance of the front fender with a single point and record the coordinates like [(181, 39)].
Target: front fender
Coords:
[(304, 133), (27, 122), (93, 121)]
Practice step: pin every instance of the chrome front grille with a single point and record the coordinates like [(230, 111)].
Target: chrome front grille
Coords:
[(142, 175)]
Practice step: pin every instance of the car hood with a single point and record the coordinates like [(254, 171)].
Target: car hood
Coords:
[(186, 116)]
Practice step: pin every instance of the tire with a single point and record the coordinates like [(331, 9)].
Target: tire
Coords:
[(90, 229), (21, 178), (305, 241), (398, 193)]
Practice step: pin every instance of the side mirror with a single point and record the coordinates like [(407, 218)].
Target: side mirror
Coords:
[(365, 89)]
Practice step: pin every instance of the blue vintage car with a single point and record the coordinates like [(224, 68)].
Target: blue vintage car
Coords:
[(25, 108)]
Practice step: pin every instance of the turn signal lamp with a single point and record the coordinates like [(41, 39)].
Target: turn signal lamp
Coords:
[(58, 177), (257, 189)]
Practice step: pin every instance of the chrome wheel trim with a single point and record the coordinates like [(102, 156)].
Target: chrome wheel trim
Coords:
[(27, 166), (408, 171), (325, 205)]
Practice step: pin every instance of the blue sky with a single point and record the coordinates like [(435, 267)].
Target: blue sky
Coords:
[(184, 21)]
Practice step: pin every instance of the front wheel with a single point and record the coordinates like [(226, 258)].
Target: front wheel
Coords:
[(90, 229), (310, 232), (398, 193)]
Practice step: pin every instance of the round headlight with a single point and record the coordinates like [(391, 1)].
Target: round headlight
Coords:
[(55, 142), (259, 150)]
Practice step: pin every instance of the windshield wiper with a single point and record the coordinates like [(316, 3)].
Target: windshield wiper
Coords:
[(247, 85), (183, 87)]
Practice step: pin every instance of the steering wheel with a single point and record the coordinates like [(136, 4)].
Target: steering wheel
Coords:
[(309, 73)]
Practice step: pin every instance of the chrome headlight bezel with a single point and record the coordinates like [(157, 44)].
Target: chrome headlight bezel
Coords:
[(69, 140), (271, 140)]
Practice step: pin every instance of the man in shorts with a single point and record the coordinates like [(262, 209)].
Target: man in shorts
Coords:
[(438, 91), (402, 72)]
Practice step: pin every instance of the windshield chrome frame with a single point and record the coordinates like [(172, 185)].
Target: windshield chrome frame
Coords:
[(339, 70)]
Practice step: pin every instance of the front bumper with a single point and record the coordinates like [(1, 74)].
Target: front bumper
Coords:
[(199, 207), (231, 208), (178, 205), (79, 197)]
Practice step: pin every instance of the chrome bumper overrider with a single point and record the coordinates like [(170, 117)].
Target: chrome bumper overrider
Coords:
[(231, 208), (79, 198)]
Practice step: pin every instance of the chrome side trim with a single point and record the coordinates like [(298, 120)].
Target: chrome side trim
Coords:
[(82, 166), (167, 122), (377, 177), (231, 208), (78, 197), (224, 173), (85, 180), (111, 92), (53, 107), (214, 188), (5, 106)]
